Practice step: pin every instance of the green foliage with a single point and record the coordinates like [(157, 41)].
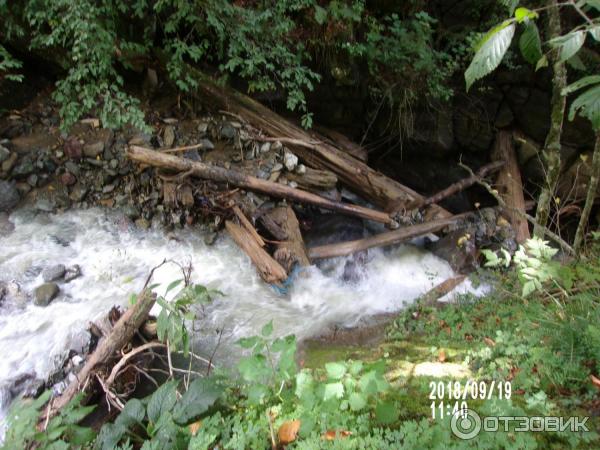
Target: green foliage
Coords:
[(61, 432), (171, 321), (8, 64)]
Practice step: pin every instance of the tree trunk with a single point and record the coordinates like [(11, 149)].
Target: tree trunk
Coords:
[(236, 178), (551, 152), (510, 186), (591, 197)]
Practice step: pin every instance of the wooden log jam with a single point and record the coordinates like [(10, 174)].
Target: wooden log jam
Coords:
[(381, 240), (314, 150), (239, 179), (268, 269)]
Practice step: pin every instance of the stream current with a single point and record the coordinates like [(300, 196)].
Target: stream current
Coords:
[(115, 259)]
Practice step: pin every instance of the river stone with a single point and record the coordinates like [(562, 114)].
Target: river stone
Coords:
[(45, 205), (94, 149), (290, 161), (210, 238), (265, 147), (72, 272), (32, 180), (45, 293), (9, 163), (9, 195), (227, 131), (4, 154), (53, 273), (207, 144)]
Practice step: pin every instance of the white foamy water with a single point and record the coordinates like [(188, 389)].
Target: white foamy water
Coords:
[(115, 260)]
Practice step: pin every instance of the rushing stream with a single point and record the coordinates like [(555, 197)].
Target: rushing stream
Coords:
[(115, 259)]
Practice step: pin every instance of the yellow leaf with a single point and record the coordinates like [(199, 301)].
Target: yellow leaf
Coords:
[(330, 435), (194, 427), (288, 431), (584, 157)]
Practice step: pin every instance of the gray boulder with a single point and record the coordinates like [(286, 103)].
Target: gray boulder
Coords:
[(45, 293), (9, 195), (53, 273)]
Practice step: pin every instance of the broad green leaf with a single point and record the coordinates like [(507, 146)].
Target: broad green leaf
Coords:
[(569, 44), (357, 401), (575, 62), (524, 14), (173, 285), (109, 436), (386, 413), (267, 329), (133, 413), (355, 367), (320, 14), (593, 3), (254, 368), (588, 105), (528, 288), (595, 32), (335, 371), (489, 56), (333, 390), (201, 395), (248, 342), (581, 83), (543, 62), (530, 43), (162, 401)]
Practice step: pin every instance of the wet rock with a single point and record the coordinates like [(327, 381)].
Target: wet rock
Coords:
[(276, 146), (202, 128), (207, 144), (45, 293), (45, 205), (94, 149), (210, 238), (108, 188), (9, 163), (4, 154), (227, 131), (142, 223), (9, 195), (169, 136), (6, 226), (23, 188), (72, 272), (301, 169), (458, 248), (290, 161), (192, 155), (78, 192), (277, 167), (249, 155), (73, 149), (72, 168), (265, 148), (68, 179), (24, 168), (131, 211), (53, 273), (32, 180)]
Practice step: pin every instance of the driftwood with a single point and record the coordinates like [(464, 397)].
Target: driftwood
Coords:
[(283, 225), (433, 295), (119, 336), (356, 175), (510, 186), (247, 225), (380, 240), (239, 179), (314, 180), (458, 186), (268, 269)]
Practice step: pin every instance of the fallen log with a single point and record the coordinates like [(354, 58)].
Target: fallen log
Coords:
[(247, 225), (119, 336), (268, 269), (381, 240), (433, 295), (282, 223), (458, 186), (314, 180), (356, 175), (342, 141), (510, 186), (239, 179)]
